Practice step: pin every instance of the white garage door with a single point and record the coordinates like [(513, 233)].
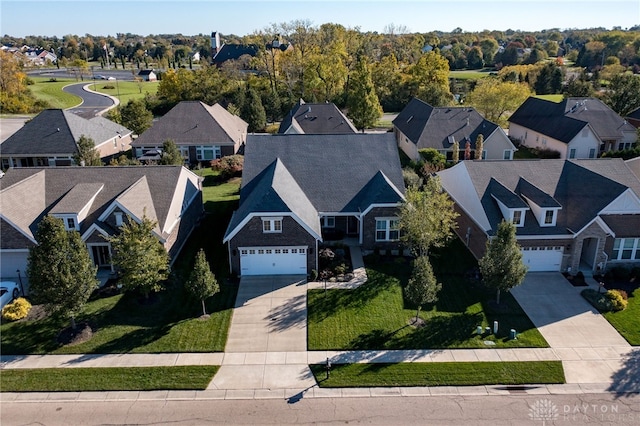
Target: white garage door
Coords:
[(540, 259), (290, 260), (12, 261)]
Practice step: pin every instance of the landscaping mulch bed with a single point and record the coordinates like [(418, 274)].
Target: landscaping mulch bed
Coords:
[(575, 280)]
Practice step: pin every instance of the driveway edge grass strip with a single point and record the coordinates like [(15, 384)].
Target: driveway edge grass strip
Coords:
[(439, 374), (190, 377)]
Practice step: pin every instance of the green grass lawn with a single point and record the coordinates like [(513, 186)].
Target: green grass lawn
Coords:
[(126, 90), (552, 98), (52, 93), (375, 317), (439, 374), (107, 379), (169, 322), (627, 322), (470, 74)]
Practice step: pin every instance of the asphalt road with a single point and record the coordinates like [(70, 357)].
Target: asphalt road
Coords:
[(601, 409), (92, 103)]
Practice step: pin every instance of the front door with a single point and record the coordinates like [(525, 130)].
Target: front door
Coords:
[(353, 227), (100, 254)]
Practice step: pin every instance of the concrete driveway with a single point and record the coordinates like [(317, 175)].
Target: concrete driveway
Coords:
[(591, 349), (267, 343)]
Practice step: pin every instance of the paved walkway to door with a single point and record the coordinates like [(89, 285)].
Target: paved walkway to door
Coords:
[(590, 348)]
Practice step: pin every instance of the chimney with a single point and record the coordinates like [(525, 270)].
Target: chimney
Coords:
[(215, 43)]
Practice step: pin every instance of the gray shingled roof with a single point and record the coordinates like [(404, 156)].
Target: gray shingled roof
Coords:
[(55, 132), (234, 51), (431, 127), (564, 120), (77, 198), (330, 169), (195, 123), (503, 194), (58, 185), (581, 187), (634, 114), (535, 194), (319, 118)]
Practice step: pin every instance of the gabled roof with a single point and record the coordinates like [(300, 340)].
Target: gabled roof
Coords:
[(564, 120), (536, 195), (233, 51), (439, 127), (635, 114), (320, 118), (195, 123), (30, 193), (331, 170), (506, 196), (582, 188), (145, 72), (56, 131), (275, 190)]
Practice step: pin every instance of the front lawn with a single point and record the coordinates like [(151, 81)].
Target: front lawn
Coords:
[(107, 379), (627, 322), (375, 317), (169, 322), (439, 374)]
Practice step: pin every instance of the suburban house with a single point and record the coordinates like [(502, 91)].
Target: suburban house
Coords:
[(575, 127), (222, 52), (634, 118), (315, 119), (569, 215), (201, 132), (148, 75), (95, 202), (51, 139), (299, 190), (420, 125)]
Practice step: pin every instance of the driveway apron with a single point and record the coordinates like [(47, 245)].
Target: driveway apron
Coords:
[(267, 343), (591, 349)]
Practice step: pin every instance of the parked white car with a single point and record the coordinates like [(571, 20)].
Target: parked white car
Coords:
[(8, 291)]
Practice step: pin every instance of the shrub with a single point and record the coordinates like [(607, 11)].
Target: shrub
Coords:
[(599, 300), (272, 128), (579, 278), (620, 273), (314, 275), (16, 310), (547, 153), (618, 303), (341, 269), (411, 178), (108, 87), (228, 166)]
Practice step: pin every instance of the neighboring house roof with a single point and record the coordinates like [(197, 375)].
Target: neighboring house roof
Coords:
[(312, 174), (146, 72), (233, 51), (55, 131), (439, 127), (564, 120), (634, 166), (319, 118), (159, 192), (580, 188), (635, 114), (195, 123)]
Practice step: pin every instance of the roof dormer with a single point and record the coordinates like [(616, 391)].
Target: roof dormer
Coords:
[(74, 206), (512, 207), (543, 206)]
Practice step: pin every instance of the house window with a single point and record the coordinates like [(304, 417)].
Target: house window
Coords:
[(548, 217), (387, 229), (544, 142), (484, 155), (517, 217), (272, 225), (506, 155), (572, 153), (592, 153), (329, 222), (118, 218), (71, 223), (626, 249), (184, 151), (208, 152)]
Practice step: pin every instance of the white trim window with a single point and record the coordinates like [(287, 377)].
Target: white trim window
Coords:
[(328, 222), (572, 153), (626, 249), (517, 217), (387, 229), (209, 152), (271, 225), (506, 154)]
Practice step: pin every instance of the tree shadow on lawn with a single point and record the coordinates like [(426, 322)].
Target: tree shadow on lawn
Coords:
[(438, 332)]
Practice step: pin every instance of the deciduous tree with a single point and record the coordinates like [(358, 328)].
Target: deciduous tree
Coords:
[(428, 79), (61, 273), (422, 287), (495, 99), (135, 116), (623, 93), (427, 217), (171, 155), (501, 266), (202, 284), (87, 154), (141, 259)]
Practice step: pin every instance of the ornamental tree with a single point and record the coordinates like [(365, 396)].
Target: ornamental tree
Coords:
[(202, 283), (423, 287)]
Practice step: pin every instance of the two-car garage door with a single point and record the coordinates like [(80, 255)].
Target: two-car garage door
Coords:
[(287, 260), (540, 259)]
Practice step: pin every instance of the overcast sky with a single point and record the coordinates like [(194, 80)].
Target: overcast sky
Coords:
[(241, 17)]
